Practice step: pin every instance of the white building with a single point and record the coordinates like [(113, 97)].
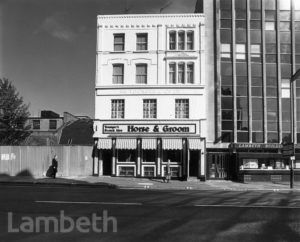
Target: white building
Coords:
[(150, 95)]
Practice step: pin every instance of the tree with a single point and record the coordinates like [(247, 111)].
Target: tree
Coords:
[(13, 115)]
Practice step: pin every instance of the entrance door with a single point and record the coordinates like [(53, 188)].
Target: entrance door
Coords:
[(194, 163), (107, 162), (219, 165)]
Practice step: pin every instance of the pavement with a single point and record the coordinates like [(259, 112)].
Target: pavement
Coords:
[(145, 183)]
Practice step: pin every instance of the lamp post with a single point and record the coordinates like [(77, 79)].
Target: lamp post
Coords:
[(292, 158)]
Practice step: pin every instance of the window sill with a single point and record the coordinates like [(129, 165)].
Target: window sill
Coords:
[(141, 51)]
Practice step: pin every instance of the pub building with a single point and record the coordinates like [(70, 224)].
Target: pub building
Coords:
[(150, 100), (252, 50)]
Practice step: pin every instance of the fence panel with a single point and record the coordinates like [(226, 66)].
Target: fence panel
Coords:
[(35, 160)]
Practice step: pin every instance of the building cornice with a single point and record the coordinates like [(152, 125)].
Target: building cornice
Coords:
[(134, 16)]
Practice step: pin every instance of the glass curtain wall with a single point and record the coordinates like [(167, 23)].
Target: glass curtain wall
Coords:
[(259, 51)]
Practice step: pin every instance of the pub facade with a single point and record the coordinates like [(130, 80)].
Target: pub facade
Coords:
[(150, 100)]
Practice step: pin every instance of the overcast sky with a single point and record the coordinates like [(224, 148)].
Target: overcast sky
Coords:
[(47, 47)]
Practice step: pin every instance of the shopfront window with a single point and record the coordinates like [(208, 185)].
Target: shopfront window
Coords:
[(264, 164), (172, 155), (126, 155), (149, 155)]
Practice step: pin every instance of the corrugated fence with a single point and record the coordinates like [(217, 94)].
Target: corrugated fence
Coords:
[(35, 160)]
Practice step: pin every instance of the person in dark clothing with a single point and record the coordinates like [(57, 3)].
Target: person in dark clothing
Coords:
[(54, 166)]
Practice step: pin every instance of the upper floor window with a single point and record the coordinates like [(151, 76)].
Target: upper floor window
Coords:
[(190, 73), (141, 73), (181, 108), (172, 40), (53, 124), (118, 74), (141, 41), (149, 108), (117, 108), (172, 73), (36, 124), (190, 40), (181, 73), (119, 42), (181, 40)]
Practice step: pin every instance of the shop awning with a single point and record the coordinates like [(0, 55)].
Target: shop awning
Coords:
[(194, 144), (172, 144), (149, 144), (104, 144), (126, 144)]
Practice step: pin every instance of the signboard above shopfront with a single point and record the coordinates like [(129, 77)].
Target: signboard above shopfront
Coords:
[(149, 129)]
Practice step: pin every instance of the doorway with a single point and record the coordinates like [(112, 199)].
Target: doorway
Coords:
[(107, 162), (194, 163)]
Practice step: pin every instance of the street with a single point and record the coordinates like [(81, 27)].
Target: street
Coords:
[(149, 215)]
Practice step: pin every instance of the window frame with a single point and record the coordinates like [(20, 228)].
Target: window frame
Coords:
[(141, 78), (117, 108), (150, 108), (182, 108), (143, 44), (118, 75), (122, 43)]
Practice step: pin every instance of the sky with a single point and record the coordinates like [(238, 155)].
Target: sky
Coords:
[(48, 47)]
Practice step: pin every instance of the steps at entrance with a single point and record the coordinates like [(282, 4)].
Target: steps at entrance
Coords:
[(193, 179)]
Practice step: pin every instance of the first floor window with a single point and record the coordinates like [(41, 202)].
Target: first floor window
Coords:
[(53, 124), (117, 108), (149, 108), (118, 74), (141, 73), (181, 108), (36, 124)]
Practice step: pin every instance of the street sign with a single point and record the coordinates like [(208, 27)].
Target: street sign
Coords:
[(288, 150)]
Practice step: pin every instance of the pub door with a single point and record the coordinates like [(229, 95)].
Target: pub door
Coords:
[(194, 163), (219, 166), (107, 162)]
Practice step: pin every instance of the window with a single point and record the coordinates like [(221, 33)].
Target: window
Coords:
[(285, 88), (141, 41), (119, 42), (149, 155), (241, 52), (269, 25), (126, 155), (181, 73), (36, 124), (118, 74), (190, 40), (225, 51), (149, 108), (172, 73), (149, 171), (172, 40), (141, 73), (190, 73), (117, 108), (52, 124), (255, 52), (181, 40), (181, 108)]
